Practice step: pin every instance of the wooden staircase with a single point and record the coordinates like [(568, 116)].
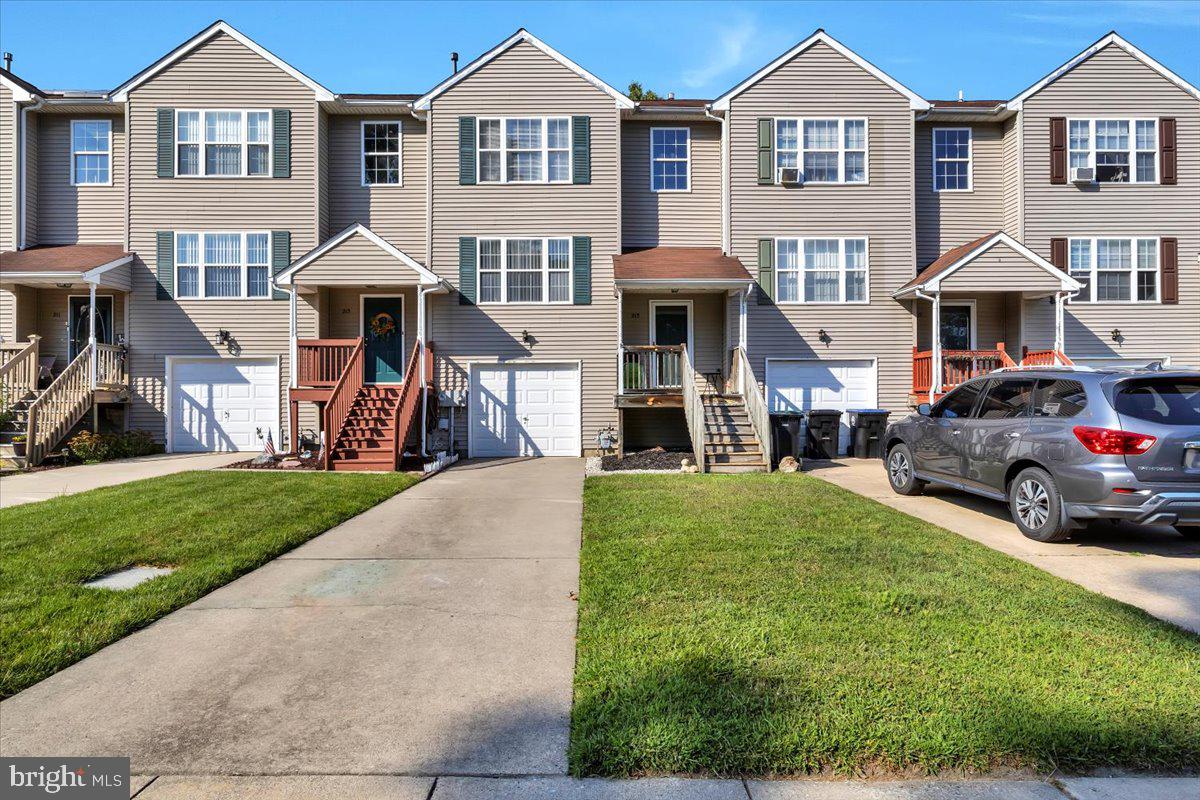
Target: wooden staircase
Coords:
[(367, 440), (730, 444), (17, 426)]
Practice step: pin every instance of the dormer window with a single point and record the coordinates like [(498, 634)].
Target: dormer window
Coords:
[(1119, 150), (223, 143), (525, 150)]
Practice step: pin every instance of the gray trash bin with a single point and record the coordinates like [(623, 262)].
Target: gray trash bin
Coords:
[(866, 432), (787, 437)]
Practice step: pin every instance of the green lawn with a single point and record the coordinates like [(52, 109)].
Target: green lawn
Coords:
[(775, 624), (213, 526)]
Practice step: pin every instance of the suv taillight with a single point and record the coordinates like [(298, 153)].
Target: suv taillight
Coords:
[(1113, 442)]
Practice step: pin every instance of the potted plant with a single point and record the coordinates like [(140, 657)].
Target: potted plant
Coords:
[(18, 446)]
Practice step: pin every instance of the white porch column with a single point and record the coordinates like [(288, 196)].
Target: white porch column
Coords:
[(293, 367), (1059, 325), (935, 385), (743, 310), (620, 340), (92, 331)]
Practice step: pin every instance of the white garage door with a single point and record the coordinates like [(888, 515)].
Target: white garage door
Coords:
[(803, 384), (525, 410), (222, 403)]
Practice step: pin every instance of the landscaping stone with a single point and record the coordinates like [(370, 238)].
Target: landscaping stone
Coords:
[(789, 464)]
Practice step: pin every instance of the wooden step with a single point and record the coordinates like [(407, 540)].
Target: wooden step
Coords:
[(729, 469), (734, 458), (743, 446), (362, 466)]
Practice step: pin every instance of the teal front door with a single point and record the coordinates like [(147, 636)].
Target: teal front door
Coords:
[(383, 333)]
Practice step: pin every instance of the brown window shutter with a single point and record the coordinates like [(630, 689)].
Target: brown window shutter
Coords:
[(1058, 150), (1169, 175), (1169, 269), (1058, 253)]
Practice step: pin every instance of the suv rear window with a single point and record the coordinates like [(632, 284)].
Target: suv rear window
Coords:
[(1059, 398), (1167, 401)]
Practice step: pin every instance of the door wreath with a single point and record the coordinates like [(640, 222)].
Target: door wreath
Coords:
[(382, 325)]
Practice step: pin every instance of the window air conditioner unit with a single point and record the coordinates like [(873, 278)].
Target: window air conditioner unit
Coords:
[(1083, 175), (790, 176)]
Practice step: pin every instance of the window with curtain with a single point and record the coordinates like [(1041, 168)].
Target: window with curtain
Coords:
[(821, 270), (222, 265), (524, 150), (91, 152), (825, 150), (525, 270), (1115, 270), (223, 143), (1120, 150)]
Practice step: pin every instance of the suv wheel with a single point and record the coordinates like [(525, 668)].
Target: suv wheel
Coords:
[(1036, 506), (902, 472)]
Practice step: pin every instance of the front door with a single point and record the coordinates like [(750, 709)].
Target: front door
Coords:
[(77, 322), (670, 325), (383, 335), (957, 327)]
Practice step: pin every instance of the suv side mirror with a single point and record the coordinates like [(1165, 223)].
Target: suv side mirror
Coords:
[(923, 409)]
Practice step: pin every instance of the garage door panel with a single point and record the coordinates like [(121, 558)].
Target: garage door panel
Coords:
[(525, 410), (801, 385), (221, 404)]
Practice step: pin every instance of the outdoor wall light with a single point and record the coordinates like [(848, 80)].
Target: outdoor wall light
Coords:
[(64, 285), (526, 339), (823, 337), (223, 336), (1116, 335)]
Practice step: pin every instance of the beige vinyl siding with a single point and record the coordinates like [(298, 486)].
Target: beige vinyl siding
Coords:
[(78, 214), (323, 169), (1113, 83), (8, 172), (30, 137), (822, 83), (708, 324), (356, 261), (53, 319), (949, 219), (525, 81), (8, 315), (996, 320), (342, 312), (999, 267), (397, 213), (1011, 177), (679, 219), (19, 313), (220, 73)]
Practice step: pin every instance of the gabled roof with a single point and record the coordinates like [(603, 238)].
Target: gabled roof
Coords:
[(930, 278), (286, 278), (1112, 38), (522, 35), (21, 88), (679, 265), (915, 101), (220, 26)]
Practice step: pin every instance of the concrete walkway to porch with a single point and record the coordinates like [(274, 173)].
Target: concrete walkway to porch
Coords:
[(43, 484)]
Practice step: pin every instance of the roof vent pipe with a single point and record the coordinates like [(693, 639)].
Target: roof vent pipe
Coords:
[(960, 95), (8, 62), (454, 62), (670, 95)]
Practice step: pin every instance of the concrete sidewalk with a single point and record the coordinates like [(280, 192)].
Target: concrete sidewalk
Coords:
[(31, 487), (1153, 568)]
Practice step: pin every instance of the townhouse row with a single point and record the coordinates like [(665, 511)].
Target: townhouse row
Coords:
[(211, 243)]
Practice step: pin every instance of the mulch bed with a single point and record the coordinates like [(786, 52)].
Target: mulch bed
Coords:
[(287, 463), (655, 458)]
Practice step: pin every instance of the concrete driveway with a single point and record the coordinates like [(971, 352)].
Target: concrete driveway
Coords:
[(1152, 568), (30, 487), (433, 634)]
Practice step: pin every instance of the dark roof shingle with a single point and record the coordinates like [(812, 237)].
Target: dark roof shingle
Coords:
[(61, 258), (679, 263)]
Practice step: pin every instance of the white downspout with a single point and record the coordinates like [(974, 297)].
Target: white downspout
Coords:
[(935, 384), (292, 333), (620, 341), (23, 169), (422, 337), (92, 332), (725, 221)]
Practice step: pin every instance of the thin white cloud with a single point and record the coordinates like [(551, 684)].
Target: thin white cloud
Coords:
[(728, 53), (1171, 13)]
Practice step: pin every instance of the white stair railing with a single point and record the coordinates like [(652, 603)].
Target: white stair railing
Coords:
[(59, 407), (756, 406), (18, 371), (693, 409)]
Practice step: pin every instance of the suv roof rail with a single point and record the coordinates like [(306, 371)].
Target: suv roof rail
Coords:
[(1047, 367)]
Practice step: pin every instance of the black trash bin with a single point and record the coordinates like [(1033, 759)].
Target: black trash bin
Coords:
[(866, 432), (821, 440), (787, 437)]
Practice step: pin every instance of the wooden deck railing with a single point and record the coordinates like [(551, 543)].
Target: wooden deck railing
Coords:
[(651, 368), (693, 409), (345, 389), (410, 399), (1045, 358), (320, 362), (59, 407), (756, 404), (18, 370), (958, 366), (110, 367)]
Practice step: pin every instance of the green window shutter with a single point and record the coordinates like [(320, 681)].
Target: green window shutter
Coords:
[(164, 265), (466, 270), (581, 252), (466, 151), (166, 143), (281, 143), (766, 150), (581, 150), (281, 259), (766, 271)]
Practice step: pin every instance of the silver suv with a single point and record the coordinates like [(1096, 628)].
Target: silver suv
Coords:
[(1062, 446)]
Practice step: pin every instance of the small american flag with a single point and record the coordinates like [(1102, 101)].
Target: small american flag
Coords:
[(269, 445)]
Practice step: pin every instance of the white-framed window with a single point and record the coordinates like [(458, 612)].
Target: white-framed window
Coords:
[(670, 159), (381, 153), (952, 159), (524, 150), (222, 143), (91, 152), (1115, 269), (821, 270), (825, 150), (524, 270), (1119, 150), (222, 264)]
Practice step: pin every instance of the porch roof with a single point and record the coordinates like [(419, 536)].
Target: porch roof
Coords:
[(355, 256), (995, 262), (679, 266), (102, 264)]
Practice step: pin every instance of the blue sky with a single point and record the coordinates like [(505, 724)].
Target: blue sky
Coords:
[(987, 49)]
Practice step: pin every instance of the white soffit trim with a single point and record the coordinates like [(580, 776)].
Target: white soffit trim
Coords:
[(934, 284), (20, 93), (1113, 38), (915, 101), (94, 273), (287, 277), (121, 93), (422, 103)]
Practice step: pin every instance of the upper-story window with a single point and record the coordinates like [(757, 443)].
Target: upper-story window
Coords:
[(381, 153), (222, 265), (821, 270), (91, 152), (824, 150), (1116, 270), (1119, 150), (525, 270), (223, 143), (952, 159), (670, 154), (525, 150)]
